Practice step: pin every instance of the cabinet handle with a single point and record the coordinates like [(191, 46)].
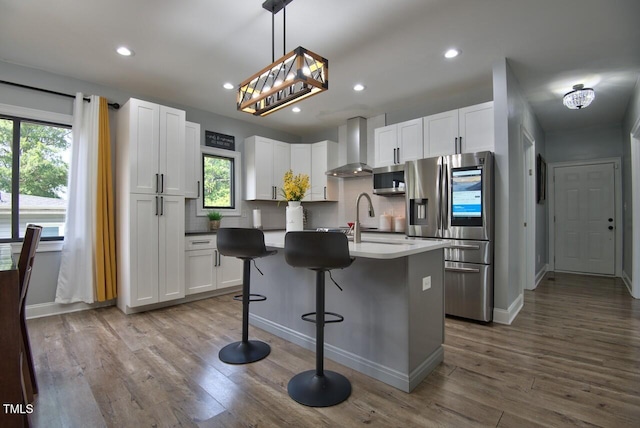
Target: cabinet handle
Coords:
[(398, 155), (215, 259), (325, 192), (219, 257), (161, 205), (394, 156), (455, 146), (200, 242), (156, 204), (460, 145), (161, 183), (157, 185), (198, 188)]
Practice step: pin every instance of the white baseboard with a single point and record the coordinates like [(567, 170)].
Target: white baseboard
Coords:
[(404, 382), (628, 283), (40, 310), (540, 275), (502, 316)]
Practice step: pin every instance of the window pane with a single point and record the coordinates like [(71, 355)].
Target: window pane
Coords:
[(6, 159), (218, 182), (45, 153)]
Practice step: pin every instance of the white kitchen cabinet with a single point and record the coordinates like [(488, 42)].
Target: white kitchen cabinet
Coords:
[(155, 136), (398, 143), (266, 162), (301, 163), (150, 164), (193, 161), (206, 269), (465, 130), (150, 250), (324, 156)]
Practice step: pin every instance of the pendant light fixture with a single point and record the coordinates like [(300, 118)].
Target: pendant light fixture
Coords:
[(292, 78), (579, 98)]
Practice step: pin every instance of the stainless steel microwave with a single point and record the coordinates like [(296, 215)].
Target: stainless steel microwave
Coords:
[(389, 180)]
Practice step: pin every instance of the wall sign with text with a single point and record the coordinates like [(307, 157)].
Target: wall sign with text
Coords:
[(220, 141)]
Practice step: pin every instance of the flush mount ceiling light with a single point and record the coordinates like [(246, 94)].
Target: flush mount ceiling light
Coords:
[(358, 87), (292, 78), (451, 53), (579, 98), (228, 85)]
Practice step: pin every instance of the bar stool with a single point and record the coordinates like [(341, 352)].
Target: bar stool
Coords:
[(320, 252), (247, 245)]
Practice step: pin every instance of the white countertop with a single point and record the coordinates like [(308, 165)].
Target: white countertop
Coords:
[(374, 246)]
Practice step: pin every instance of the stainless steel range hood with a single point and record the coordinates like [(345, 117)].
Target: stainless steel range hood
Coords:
[(356, 151)]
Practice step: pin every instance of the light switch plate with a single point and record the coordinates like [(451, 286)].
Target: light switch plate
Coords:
[(426, 283)]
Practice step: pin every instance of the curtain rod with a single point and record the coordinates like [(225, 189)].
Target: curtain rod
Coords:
[(115, 106)]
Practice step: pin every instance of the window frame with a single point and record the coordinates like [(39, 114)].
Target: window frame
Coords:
[(237, 181), (19, 113)]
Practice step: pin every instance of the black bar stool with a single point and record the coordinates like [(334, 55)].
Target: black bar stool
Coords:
[(321, 252), (245, 244)]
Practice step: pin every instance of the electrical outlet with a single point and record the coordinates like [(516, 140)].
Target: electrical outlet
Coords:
[(426, 283), (244, 213)]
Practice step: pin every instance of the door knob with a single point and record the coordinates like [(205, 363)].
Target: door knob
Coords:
[(610, 220), (610, 227)]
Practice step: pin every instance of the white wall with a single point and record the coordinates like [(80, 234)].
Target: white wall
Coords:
[(512, 112), (584, 144)]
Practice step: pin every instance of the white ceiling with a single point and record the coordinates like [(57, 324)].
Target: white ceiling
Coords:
[(186, 50)]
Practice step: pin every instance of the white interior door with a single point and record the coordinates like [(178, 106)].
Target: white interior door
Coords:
[(585, 219)]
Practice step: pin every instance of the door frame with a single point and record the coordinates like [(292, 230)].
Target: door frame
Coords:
[(617, 184), (529, 211), (635, 205)]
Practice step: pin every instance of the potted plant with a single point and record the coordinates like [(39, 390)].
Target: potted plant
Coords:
[(295, 187), (214, 219)]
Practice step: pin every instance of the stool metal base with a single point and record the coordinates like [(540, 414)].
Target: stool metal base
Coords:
[(244, 352), (319, 391)]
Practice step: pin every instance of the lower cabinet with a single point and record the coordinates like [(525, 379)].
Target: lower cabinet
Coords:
[(206, 269)]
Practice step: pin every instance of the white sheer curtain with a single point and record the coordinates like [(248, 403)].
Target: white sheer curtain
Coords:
[(76, 277)]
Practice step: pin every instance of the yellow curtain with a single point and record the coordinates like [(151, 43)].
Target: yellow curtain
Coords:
[(105, 219)]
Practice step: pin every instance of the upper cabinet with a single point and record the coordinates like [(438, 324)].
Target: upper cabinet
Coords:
[(266, 162), (398, 143), (466, 130), (324, 156), (155, 136), (192, 160), (301, 162)]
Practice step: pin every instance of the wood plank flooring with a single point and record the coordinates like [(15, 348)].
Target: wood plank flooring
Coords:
[(571, 358)]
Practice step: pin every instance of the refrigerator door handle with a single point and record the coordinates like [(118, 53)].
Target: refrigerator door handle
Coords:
[(464, 247), (445, 197), (462, 270)]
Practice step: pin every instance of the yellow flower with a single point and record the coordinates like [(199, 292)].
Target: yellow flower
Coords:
[(295, 186)]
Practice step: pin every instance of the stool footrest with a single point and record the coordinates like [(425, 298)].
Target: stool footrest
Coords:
[(252, 297), (310, 317)]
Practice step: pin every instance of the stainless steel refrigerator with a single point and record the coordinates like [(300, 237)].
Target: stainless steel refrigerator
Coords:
[(452, 197)]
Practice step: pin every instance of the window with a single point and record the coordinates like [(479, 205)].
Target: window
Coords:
[(34, 166), (220, 181)]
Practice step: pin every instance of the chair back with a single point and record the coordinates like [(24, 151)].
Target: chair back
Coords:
[(27, 256), (317, 250), (242, 243)]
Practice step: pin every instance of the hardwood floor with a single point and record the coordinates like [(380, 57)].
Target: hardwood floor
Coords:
[(571, 358)]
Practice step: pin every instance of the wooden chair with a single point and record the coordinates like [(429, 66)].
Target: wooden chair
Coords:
[(25, 268)]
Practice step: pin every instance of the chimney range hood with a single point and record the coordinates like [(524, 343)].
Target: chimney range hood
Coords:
[(356, 151)]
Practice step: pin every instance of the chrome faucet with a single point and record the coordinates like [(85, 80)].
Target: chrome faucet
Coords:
[(356, 226)]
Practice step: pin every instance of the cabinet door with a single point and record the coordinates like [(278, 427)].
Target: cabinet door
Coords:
[(281, 164), (171, 247), (410, 140), (476, 128), (200, 271), (264, 169), (171, 151), (386, 143), (324, 157), (440, 134), (143, 249), (192, 162), (301, 164), (143, 146), (229, 272)]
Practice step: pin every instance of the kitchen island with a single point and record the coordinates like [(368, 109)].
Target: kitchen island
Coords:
[(392, 303)]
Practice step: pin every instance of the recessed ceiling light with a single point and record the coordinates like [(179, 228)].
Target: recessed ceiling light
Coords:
[(228, 85), (358, 87), (296, 109), (124, 51), (451, 53)]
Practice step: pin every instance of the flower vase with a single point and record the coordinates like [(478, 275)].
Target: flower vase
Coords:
[(294, 216)]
